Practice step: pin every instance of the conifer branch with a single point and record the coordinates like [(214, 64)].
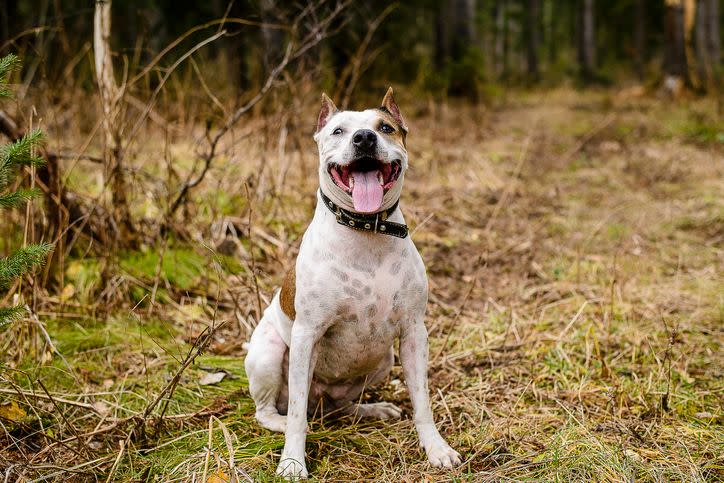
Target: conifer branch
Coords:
[(22, 261), (8, 64), (10, 314), (17, 198)]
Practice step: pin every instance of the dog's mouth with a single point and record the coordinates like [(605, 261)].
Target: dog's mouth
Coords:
[(367, 179)]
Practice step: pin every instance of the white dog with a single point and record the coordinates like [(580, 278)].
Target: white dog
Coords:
[(358, 284)]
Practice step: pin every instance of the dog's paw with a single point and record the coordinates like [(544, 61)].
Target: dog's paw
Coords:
[(380, 410), (442, 455), (292, 469), (272, 421)]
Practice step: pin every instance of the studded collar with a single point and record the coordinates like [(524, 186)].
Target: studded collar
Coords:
[(372, 222)]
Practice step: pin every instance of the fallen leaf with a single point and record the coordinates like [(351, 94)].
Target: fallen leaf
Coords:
[(101, 408), (212, 378), (12, 412), (67, 292), (219, 476)]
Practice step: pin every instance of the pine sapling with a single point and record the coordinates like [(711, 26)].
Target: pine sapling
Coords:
[(13, 157)]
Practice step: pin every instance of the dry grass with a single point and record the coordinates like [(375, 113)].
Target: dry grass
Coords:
[(574, 247)]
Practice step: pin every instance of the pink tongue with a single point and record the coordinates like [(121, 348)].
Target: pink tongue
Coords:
[(367, 191)]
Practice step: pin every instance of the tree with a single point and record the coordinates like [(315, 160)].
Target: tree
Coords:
[(640, 37), (675, 65), (587, 41), (455, 46), (707, 41), (12, 157), (501, 63), (533, 38), (111, 97)]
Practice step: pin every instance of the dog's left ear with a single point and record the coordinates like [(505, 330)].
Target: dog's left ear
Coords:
[(389, 104)]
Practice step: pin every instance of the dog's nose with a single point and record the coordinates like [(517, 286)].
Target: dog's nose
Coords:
[(364, 140)]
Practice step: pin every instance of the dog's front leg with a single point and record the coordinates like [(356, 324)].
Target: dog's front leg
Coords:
[(413, 355), (301, 366)]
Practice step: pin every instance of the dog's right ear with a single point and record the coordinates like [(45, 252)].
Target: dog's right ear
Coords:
[(328, 110)]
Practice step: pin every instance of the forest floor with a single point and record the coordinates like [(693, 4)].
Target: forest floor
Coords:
[(575, 248)]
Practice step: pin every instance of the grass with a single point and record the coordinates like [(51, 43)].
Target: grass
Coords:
[(574, 247)]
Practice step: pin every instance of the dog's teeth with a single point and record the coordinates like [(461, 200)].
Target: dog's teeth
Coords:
[(351, 182), (380, 178)]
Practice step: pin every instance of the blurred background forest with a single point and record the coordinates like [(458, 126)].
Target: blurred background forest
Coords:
[(566, 192), (457, 47)]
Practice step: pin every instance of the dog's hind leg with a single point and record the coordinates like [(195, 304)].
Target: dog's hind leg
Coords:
[(263, 366)]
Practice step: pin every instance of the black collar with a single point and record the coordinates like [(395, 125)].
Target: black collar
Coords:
[(374, 222)]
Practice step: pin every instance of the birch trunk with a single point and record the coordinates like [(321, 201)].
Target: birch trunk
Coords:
[(110, 96)]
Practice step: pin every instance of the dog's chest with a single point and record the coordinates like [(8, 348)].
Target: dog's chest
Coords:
[(360, 287)]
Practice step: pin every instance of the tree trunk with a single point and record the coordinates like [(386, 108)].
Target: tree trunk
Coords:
[(706, 38), (499, 49), (442, 38), (640, 38), (533, 38), (587, 41), (714, 39), (111, 103), (701, 38), (454, 37), (675, 67), (273, 37)]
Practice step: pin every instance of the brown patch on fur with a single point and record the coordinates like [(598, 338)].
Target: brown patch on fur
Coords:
[(400, 133), (289, 290)]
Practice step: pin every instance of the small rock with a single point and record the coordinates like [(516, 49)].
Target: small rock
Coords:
[(610, 146), (632, 455), (704, 415), (212, 378)]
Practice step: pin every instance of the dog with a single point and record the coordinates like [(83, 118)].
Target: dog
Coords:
[(358, 284)]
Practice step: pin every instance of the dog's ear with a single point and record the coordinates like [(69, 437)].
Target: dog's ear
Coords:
[(389, 104), (328, 110)]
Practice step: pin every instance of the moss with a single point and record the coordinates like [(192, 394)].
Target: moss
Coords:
[(182, 267)]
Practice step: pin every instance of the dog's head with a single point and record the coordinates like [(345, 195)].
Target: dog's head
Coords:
[(362, 155)]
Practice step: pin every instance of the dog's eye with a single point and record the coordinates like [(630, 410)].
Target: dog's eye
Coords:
[(337, 131), (386, 128)]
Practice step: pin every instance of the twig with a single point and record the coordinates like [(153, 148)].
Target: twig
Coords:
[(587, 137), (48, 341), (162, 82), (48, 396), (62, 415), (314, 37), (117, 461), (199, 345), (253, 258), (355, 70), (478, 265)]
